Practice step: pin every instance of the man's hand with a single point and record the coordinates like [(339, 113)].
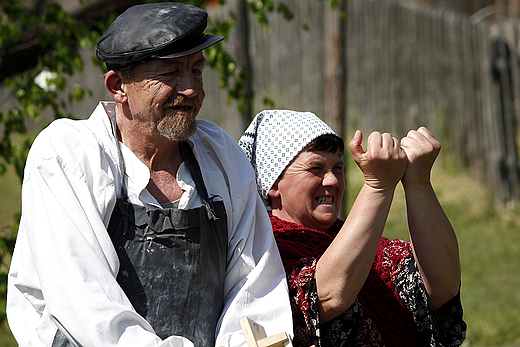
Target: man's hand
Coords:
[(384, 162)]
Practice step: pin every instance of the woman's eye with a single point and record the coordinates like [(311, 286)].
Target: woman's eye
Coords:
[(316, 170)]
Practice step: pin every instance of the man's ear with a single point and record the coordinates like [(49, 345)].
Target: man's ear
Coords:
[(115, 86)]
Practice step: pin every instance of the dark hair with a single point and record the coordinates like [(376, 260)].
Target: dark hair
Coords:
[(327, 143)]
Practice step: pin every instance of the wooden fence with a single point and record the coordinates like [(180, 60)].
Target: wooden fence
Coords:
[(411, 66), (407, 66)]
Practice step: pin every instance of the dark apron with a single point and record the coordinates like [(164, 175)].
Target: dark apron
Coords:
[(172, 262)]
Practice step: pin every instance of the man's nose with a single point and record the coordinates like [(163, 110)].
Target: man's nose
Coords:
[(187, 85)]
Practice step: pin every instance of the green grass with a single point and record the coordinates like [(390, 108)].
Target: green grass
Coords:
[(6, 338), (10, 201), (10, 190), (489, 241)]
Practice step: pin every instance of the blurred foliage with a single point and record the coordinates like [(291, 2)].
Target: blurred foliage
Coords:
[(59, 39)]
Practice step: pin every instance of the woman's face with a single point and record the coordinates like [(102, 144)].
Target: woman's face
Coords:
[(310, 190)]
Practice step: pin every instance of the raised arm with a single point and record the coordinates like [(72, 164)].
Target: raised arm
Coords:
[(433, 240), (344, 267)]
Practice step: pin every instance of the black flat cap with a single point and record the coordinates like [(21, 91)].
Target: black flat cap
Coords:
[(153, 31)]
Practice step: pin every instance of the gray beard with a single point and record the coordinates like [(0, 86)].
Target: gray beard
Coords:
[(177, 128)]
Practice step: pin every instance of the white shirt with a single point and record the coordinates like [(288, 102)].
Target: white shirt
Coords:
[(64, 267)]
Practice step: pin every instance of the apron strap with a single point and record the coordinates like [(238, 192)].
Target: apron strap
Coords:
[(196, 174)]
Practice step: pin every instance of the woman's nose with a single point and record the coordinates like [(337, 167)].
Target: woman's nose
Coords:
[(330, 179)]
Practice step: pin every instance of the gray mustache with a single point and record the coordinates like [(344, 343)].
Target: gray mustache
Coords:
[(181, 100)]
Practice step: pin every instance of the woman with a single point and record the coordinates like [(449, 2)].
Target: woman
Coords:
[(348, 285)]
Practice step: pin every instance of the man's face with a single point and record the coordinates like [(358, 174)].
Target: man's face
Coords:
[(165, 96)]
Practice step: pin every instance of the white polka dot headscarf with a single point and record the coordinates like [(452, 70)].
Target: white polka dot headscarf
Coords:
[(274, 138)]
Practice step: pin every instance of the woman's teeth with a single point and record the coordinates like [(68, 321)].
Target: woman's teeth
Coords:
[(325, 199)]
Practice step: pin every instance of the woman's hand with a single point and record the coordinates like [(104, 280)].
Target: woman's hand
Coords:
[(384, 162), (421, 148), (343, 268), (433, 240)]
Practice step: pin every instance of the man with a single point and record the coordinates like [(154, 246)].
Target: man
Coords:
[(141, 226)]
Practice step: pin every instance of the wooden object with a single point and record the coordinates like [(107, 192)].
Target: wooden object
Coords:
[(256, 336)]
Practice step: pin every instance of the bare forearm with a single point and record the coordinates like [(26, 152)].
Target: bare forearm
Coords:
[(343, 268), (434, 244)]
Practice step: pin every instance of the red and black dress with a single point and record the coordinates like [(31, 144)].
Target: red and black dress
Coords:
[(390, 310)]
